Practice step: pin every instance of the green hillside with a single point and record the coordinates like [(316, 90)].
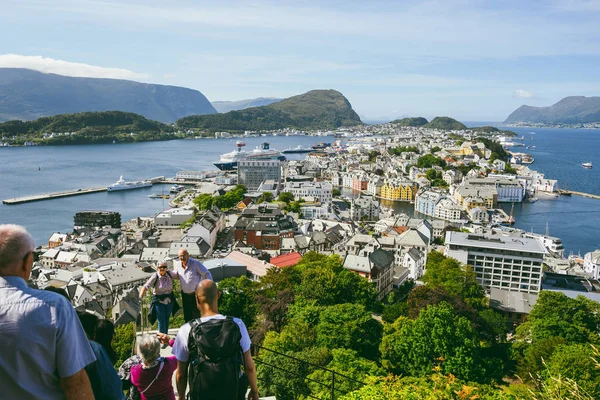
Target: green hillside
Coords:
[(413, 121), (87, 127), (317, 109), (492, 130), (446, 124)]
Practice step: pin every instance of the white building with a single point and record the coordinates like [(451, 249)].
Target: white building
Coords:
[(591, 263), (173, 217), (479, 215), (364, 207), (426, 200), (447, 210), (414, 261), (320, 190), (500, 262)]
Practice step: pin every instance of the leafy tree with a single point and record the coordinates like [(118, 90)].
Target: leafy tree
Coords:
[(123, 342), (266, 197), (437, 338), (429, 160), (286, 197), (435, 149), (394, 311), (449, 274), (353, 369), (575, 362), (434, 387), (238, 299), (335, 192), (373, 155), (349, 326), (396, 151)]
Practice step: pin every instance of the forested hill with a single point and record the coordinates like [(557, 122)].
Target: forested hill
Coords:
[(413, 121), (317, 109), (26, 95), (87, 127), (445, 123), (570, 110)]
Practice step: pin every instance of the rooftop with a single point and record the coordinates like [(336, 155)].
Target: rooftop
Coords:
[(494, 242)]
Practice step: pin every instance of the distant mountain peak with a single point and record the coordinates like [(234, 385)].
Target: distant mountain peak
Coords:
[(226, 106), (569, 110), (316, 109), (27, 95)]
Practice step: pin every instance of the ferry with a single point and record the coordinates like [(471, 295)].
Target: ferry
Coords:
[(321, 146), (176, 188), (297, 150), (586, 165), (121, 184), (229, 161)]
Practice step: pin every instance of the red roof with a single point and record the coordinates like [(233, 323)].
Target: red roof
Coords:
[(286, 260)]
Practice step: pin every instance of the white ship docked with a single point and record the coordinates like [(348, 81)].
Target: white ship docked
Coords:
[(121, 184), (229, 161)]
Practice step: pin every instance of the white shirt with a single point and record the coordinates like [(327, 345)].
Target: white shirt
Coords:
[(191, 276), (180, 347)]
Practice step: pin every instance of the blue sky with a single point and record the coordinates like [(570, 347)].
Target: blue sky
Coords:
[(472, 60)]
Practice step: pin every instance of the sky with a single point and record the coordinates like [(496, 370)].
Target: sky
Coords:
[(471, 60)]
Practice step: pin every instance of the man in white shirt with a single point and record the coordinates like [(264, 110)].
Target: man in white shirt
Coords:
[(190, 272), (207, 296)]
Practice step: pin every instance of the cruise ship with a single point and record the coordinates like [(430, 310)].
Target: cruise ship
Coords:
[(229, 161), (122, 185)]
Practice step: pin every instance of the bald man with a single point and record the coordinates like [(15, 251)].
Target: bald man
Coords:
[(190, 272), (43, 348), (212, 324)]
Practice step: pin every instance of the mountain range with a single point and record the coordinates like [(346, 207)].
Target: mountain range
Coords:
[(570, 110), (26, 95), (317, 109), (226, 106)]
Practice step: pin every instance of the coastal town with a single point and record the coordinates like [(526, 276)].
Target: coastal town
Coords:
[(261, 211)]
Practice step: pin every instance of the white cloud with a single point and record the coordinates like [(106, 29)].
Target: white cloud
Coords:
[(523, 94), (169, 76), (60, 67)]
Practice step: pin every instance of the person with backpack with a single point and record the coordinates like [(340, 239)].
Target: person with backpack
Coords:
[(164, 304), (210, 352)]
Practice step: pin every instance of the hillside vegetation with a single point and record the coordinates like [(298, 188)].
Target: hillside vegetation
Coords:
[(27, 95), (87, 127), (412, 121), (317, 109), (446, 124)]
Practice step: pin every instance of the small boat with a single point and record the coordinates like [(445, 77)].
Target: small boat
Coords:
[(586, 165), (298, 149), (159, 196)]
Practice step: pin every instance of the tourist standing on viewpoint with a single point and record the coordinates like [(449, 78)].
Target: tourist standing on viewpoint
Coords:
[(163, 303), (214, 347), (190, 272), (43, 348)]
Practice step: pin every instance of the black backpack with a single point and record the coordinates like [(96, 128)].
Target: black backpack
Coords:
[(215, 360)]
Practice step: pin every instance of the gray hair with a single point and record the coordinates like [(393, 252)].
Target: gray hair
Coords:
[(15, 243), (149, 349)]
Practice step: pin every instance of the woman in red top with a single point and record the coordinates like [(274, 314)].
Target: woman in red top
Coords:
[(154, 377)]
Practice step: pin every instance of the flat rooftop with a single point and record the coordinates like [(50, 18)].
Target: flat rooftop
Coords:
[(494, 242)]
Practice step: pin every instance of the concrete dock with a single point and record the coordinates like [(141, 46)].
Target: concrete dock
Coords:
[(582, 194), (55, 195)]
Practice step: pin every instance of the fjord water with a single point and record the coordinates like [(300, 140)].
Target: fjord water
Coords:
[(31, 170)]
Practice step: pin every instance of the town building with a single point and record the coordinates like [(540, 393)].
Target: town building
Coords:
[(263, 227), (377, 267), (398, 190), (365, 207), (500, 262), (320, 190), (97, 219), (251, 173)]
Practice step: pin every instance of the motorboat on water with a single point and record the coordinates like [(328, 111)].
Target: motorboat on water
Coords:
[(159, 196), (176, 188), (121, 184), (586, 165)]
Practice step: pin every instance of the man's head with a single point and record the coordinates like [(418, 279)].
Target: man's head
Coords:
[(184, 256), (16, 251), (207, 296)]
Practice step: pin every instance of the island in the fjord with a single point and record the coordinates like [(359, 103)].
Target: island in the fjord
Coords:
[(27, 95), (573, 112), (85, 128), (317, 109)]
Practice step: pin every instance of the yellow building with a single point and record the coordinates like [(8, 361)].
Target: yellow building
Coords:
[(398, 191)]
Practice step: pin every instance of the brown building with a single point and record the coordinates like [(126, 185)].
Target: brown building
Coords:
[(263, 227)]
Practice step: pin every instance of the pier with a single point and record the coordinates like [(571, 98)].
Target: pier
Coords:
[(55, 195), (582, 194)]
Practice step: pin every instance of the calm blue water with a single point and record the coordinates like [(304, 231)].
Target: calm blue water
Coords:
[(558, 153)]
